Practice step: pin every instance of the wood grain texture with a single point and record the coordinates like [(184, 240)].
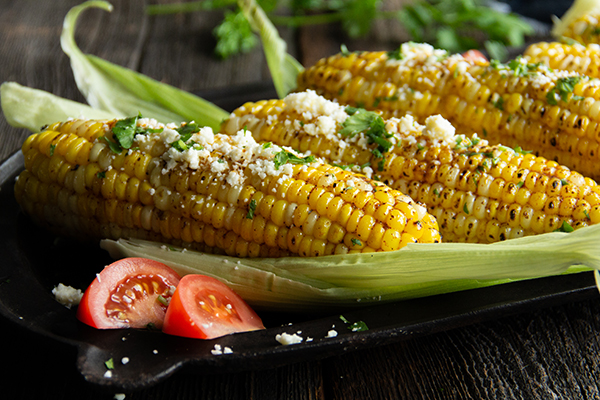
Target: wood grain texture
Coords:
[(547, 354)]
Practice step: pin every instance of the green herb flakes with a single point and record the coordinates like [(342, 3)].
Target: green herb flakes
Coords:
[(284, 157), (251, 209), (563, 88), (565, 227), (359, 326)]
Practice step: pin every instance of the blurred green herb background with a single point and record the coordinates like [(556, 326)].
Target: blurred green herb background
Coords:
[(454, 25)]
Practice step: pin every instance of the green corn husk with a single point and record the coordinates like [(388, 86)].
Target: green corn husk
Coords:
[(418, 270)]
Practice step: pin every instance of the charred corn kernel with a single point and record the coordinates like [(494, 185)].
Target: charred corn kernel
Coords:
[(213, 192), (553, 112), (478, 192)]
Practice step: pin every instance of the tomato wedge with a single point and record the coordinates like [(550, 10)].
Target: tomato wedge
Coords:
[(204, 308), (475, 56), (129, 293)]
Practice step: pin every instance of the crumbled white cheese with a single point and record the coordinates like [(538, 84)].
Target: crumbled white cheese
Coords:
[(286, 338), (439, 129), (67, 295), (218, 350), (332, 333)]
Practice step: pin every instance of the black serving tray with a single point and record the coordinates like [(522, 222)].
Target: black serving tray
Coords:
[(33, 262)]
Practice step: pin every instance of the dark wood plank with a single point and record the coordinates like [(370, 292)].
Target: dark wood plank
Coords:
[(547, 354)]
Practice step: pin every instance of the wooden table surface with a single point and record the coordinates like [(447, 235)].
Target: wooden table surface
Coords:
[(550, 353)]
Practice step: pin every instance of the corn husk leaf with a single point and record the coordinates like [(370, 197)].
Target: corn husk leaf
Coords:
[(28, 108), (418, 270), (122, 91), (283, 67)]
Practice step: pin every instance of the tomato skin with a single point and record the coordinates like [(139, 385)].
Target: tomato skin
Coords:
[(92, 309), (193, 313), (475, 56)]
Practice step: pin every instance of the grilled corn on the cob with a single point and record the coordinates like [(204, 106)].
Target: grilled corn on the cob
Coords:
[(581, 22), (584, 60), (554, 113), (218, 193), (477, 192)]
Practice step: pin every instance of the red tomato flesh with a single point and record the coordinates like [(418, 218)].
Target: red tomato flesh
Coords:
[(127, 294), (204, 308)]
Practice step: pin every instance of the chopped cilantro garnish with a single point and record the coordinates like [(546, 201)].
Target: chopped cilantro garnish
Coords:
[(465, 208), (562, 89), (519, 150), (564, 182), (587, 214), (565, 227), (109, 364), (251, 209), (114, 147), (125, 130), (187, 130), (371, 125), (179, 145), (356, 242), (499, 104), (358, 326), (151, 326), (52, 148), (101, 175), (284, 157), (185, 133), (396, 54), (344, 50), (266, 145)]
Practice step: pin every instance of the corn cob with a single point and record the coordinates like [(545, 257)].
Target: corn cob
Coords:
[(216, 193), (585, 30), (477, 192), (554, 113), (584, 60), (581, 22)]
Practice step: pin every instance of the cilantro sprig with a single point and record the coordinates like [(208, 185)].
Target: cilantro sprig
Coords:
[(123, 133), (372, 126), (447, 24), (285, 157), (358, 326), (563, 88)]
